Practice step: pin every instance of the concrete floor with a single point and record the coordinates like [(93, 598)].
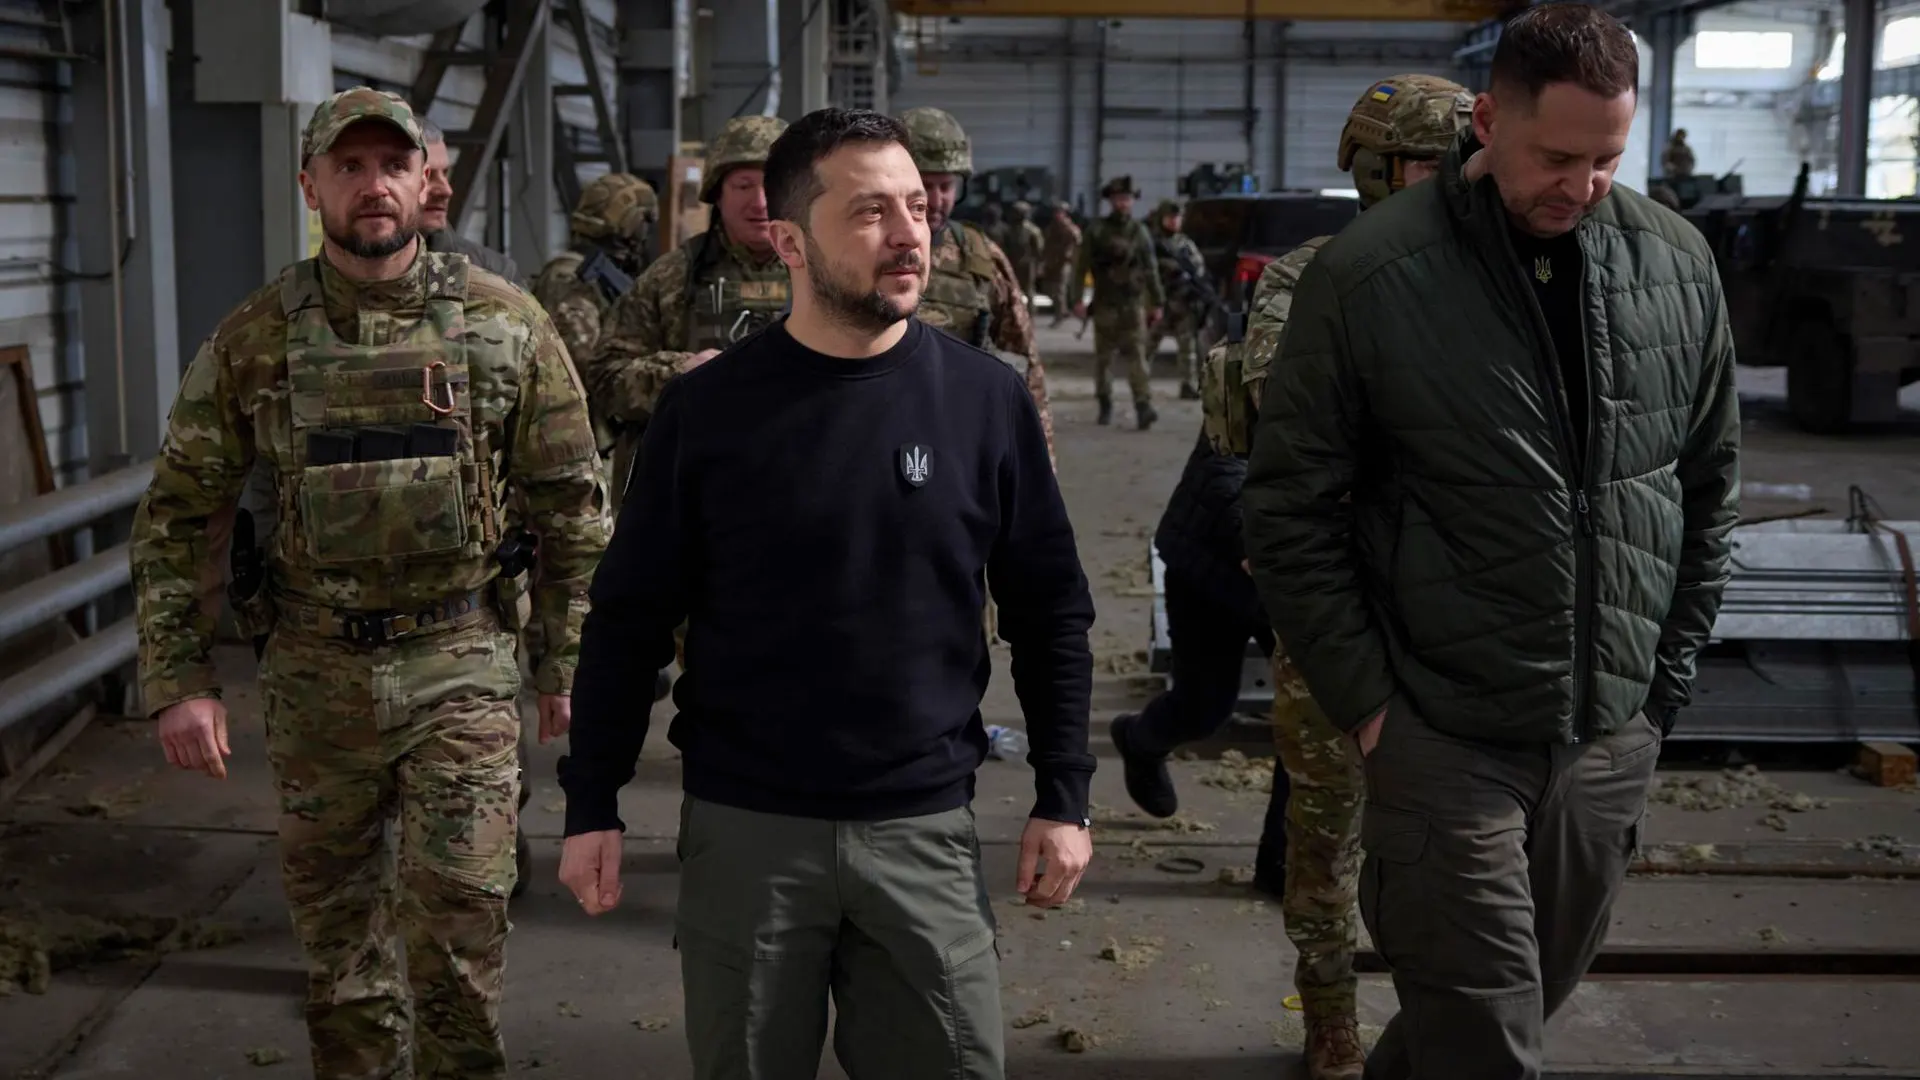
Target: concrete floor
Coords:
[(1204, 966)]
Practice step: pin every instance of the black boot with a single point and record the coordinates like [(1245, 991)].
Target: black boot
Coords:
[(1144, 414), (1149, 784), (1106, 411)]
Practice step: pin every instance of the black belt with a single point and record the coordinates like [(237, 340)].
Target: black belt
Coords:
[(376, 628)]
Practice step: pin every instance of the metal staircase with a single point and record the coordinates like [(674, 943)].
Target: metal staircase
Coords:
[(514, 30)]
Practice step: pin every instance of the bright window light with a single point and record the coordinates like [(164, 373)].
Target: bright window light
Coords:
[(1340, 193), (1750, 50), (1835, 61), (1900, 42)]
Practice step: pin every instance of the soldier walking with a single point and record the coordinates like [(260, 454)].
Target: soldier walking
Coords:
[(1057, 259), (1183, 278), (404, 401), (973, 290), (1395, 136), (1127, 299), (612, 228), (1676, 161), (695, 300), (1024, 244)]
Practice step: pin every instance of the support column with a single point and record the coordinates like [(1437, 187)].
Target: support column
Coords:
[(129, 325), (1663, 38), (533, 222), (1281, 73), (808, 24), (1856, 93), (649, 86), (743, 69)]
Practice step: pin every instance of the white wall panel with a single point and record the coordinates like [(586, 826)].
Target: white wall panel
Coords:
[(1014, 111)]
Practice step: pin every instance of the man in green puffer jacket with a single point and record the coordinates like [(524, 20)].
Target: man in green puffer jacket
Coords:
[(1487, 509)]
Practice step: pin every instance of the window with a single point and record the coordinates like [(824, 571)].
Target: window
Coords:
[(1752, 50), (1836, 60), (1900, 42)]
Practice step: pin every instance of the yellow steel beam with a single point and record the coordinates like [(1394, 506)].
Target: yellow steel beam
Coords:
[(1462, 11)]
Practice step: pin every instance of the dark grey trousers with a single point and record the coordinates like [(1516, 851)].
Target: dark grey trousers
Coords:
[(890, 918), (1490, 876)]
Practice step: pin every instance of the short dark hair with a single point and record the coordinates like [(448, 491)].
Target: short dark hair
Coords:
[(789, 177), (1565, 42)]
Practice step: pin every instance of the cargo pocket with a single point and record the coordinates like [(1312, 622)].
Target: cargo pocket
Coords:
[(363, 510), (971, 972), (1392, 900)]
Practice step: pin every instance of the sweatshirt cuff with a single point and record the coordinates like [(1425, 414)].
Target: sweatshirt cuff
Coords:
[(1062, 795), (592, 804)]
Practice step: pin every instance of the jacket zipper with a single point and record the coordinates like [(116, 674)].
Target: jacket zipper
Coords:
[(1558, 402)]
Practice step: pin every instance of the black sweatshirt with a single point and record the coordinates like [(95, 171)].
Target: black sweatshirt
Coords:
[(827, 528)]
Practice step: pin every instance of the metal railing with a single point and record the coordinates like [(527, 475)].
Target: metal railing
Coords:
[(48, 598)]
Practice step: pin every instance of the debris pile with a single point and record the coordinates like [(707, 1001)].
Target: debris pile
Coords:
[(36, 942), (1236, 772), (1138, 955), (1886, 845), (1730, 789), (1034, 1017)]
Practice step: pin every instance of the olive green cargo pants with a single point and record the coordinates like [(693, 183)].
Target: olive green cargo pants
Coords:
[(1489, 881), (889, 918)]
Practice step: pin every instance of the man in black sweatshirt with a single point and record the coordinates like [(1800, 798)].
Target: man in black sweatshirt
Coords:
[(824, 503)]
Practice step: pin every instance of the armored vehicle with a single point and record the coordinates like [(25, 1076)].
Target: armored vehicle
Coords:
[(1828, 288)]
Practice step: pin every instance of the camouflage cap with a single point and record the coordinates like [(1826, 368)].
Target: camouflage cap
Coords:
[(937, 141), (1167, 206), (350, 107), (745, 140), (1406, 115), (616, 205)]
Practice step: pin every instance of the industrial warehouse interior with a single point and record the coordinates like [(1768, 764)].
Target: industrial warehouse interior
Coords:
[(1769, 926)]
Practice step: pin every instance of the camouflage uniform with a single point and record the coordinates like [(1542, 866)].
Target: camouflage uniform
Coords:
[(1056, 263), (611, 229), (1407, 117), (1024, 244), (1676, 161), (705, 294), (1126, 283), (1178, 254), (389, 677), (973, 291)]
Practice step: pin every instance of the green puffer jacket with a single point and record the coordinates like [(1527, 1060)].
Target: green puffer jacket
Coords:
[(1501, 591)]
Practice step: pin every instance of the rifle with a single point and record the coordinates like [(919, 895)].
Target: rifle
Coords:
[(1189, 282), (599, 269)]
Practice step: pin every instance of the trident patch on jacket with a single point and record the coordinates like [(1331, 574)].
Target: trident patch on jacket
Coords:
[(916, 464)]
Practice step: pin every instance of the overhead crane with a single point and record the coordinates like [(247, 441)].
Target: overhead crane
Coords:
[(1460, 11)]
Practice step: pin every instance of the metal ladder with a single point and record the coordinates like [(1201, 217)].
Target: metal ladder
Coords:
[(56, 31), (504, 66)]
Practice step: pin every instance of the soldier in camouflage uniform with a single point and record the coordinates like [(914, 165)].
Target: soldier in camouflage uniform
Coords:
[(424, 429), (1676, 161), (1179, 261), (1395, 136), (973, 291), (1057, 259), (1127, 299), (1024, 244), (695, 300), (612, 228)]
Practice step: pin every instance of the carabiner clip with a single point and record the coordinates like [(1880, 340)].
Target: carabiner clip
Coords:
[(426, 390)]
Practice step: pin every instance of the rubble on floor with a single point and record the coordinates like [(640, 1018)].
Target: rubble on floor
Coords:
[(1730, 789), (36, 942)]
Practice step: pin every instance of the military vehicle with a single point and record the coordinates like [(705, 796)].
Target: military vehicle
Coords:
[(1006, 186), (1828, 288), (1208, 180), (1691, 189)]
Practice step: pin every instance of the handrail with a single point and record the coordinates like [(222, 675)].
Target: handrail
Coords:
[(67, 588), (66, 671), (46, 515)]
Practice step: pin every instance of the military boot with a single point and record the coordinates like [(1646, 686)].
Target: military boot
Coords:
[(1149, 783), (1144, 414), (1333, 1048), (1106, 411)]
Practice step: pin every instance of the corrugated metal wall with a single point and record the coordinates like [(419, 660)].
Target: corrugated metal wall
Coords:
[(35, 189)]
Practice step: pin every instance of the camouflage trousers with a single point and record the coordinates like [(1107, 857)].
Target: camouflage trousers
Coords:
[(1319, 903), (1059, 283), (1184, 328), (1120, 338), (398, 783)]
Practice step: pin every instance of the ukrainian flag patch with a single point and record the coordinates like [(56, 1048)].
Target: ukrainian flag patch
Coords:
[(1382, 92)]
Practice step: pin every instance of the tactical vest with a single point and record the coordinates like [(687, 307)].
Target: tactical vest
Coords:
[(1230, 378), (727, 304), (556, 279), (385, 462), (959, 285), (1116, 259)]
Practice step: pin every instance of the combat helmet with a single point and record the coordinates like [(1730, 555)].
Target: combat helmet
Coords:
[(616, 206), (1167, 206), (1021, 210), (1404, 117), (937, 141), (1119, 185), (744, 141)]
